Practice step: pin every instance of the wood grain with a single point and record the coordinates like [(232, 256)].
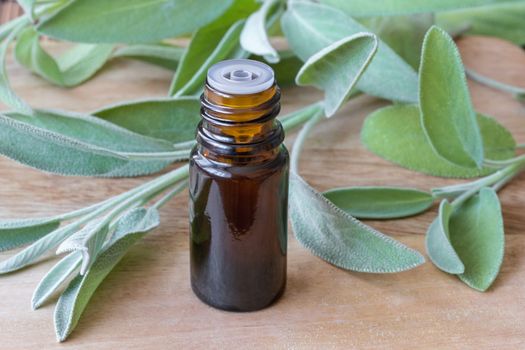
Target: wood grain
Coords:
[(147, 303)]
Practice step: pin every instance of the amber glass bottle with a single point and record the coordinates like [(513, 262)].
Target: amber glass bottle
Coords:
[(239, 190)]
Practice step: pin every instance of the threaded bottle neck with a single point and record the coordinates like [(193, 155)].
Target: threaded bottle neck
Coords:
[(240, 128)]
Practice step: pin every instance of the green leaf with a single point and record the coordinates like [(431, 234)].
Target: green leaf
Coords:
[(337, 68), (72, 144), (164, 55), (54, 278), (37, 249), (364, 8), (228, 47), (447, 115), (72, 68), (174, 120), (7, 95), (437, 241), (130, 21), (88, 241), (477, 235), (16, 233), (286, 69), (403, 34), (342, 240), (254, 35), (217, 41), (27, 6), (8, 27), (503, 20), (395, 134), (380, 202), (298, 117), (72, 303), (311, 27)]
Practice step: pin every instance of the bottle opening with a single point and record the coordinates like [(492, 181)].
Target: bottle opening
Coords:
[(240, 77)]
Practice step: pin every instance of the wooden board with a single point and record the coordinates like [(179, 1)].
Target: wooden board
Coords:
[(147, 303)]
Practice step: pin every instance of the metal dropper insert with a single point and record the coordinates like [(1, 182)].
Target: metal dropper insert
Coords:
[(240, 77)]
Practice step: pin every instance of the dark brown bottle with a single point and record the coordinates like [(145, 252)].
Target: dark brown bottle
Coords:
[(239, 190)]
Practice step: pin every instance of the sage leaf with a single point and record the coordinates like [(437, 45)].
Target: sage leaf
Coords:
[(502, 20), (57, 153), (364, 8), (477, 235), (310, 27), (129, 21), (56, 277), (7, 95), (447, 115), (286, 69), (27, 6), (210, 44), (342, 240), (395, 134), (37, 249), (403, 34), (88, 241), (72, 68), (171, 119), (254, 35), (16, 233), (8, 27), (298, 117), (228, 47), (164, 55), (73, 301), (370, 202), (337, 68), (437, 241)]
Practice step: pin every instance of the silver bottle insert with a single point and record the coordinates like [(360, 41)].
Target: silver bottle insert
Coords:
[(240, 76)]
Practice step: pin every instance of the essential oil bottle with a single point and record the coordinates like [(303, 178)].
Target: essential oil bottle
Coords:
[(239, 190)]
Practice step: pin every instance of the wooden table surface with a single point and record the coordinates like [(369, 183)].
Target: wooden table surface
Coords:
[(147, 303)]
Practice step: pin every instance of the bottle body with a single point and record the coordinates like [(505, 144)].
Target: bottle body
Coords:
[(239, 190), (238, 232)]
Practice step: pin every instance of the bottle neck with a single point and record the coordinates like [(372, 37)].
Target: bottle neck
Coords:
[(240, 128)]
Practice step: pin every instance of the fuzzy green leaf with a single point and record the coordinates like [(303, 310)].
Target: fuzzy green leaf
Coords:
[(72, 68), (404, 34), (300, 116), (37, 249), (254, 35), (395, 133), (286, 69), (55, 278), (476, 233), (447, 115), (365, 8), (505, 21), (310, 27), (16, 233), (438, 244), (212, 43), (7, 95), (338, 67), (75, 144), (174, 120), (342, 240), (27, 5), (380, 202), (72, 303), (130, 21), (88, 241), (228, 47), (164, 55)]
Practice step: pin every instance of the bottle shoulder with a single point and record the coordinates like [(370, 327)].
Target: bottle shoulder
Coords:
[(199, 162)]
